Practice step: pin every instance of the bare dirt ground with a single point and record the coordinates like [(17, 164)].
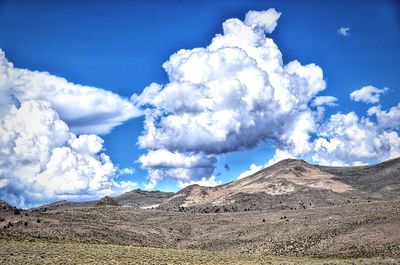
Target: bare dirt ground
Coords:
[(364, 230), (45, 252)]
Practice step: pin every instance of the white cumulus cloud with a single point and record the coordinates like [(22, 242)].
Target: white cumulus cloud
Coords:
[(325, 100), (207, 182), (85, 109), (387, 119), (41, 160), (347, 139), (41, 157), (368, 94), (263, 20), (344, 31), (253, 169), (228, 96)]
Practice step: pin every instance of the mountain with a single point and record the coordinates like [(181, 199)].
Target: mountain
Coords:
[(293, 184), (141, 198), (136, 198), (374, 182), (287, 185)]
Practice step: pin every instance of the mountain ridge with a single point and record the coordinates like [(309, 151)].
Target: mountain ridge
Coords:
[(287, 184), (293, 184)]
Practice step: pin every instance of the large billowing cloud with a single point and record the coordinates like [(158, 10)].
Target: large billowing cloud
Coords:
[(229, 96), (85, 109), (41, 158), (236, 93)]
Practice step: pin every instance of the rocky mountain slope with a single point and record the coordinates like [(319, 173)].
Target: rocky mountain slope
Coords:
[(293, 184), (287, 185), (142, 198), (135, 198)]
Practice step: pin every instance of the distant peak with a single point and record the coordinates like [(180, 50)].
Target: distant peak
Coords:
[(291, 161)]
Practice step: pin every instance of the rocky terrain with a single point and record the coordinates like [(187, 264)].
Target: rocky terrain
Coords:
[(141, 198), (45, 252), (353, 230), (135, 198), (107, 201), (289, 213), (293, 184)]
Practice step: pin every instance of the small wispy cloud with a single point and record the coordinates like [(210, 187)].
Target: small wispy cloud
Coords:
[(368, 94), (344, 31)]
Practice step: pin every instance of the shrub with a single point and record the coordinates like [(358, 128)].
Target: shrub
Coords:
[(17, 211), (38, 221)]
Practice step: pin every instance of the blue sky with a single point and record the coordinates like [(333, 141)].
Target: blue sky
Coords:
[(120, 46)]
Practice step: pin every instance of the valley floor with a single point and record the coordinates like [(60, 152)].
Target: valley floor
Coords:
[(364, 233), (37, 252)]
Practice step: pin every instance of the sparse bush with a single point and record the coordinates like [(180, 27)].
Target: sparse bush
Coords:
[(25, 223), (263, 220), (17, 211), (2, 219), (38, 221)]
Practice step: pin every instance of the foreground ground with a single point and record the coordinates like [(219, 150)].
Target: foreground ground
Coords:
[(108, 234), (36, 252)]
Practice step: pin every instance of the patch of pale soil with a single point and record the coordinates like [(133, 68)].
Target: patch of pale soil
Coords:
[(149, 206)]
